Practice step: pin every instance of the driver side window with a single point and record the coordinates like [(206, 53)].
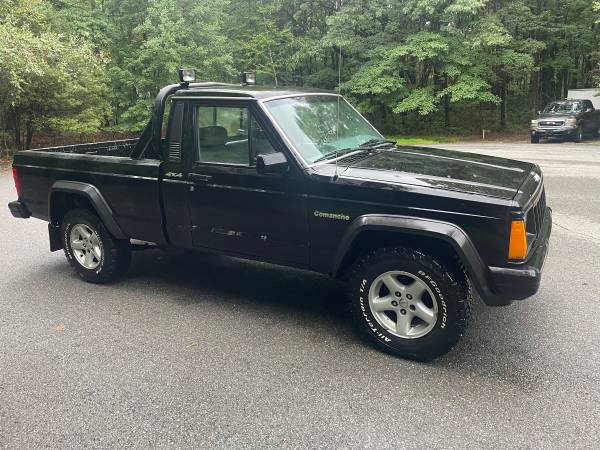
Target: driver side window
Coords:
[(229, 135)]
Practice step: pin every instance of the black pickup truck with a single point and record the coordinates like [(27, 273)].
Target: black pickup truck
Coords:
[(566, 119), (299, 178)]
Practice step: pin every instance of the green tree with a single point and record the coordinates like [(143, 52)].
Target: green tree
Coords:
[(47, 81)]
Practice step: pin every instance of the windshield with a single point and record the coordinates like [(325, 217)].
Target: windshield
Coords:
[(562, 107), (321, 125)]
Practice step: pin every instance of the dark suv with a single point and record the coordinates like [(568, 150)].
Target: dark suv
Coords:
[(566, 119)]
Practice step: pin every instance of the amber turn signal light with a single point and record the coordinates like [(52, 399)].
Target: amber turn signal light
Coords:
[(517, 247)]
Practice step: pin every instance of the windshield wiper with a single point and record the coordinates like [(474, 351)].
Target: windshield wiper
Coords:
[(338, 153), (371, 144), (376, 143)]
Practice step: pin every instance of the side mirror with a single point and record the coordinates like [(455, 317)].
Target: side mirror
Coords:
[(272, 163), (589, 110), (539, 113)]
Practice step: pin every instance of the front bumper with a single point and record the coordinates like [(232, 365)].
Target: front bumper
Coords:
[(19, 210), (553, 132), (518, 283)]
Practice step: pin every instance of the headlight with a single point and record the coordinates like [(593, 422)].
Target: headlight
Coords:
[(572, 122), (534, 122)]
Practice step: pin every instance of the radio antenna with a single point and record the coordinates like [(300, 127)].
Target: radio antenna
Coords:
[(337, 127)]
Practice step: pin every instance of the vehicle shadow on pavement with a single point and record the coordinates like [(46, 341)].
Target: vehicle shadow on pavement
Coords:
[(215, 276), (206, 277), (495, 347)]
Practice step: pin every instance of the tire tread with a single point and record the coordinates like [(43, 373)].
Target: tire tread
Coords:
[(117, 253), (453, 274)]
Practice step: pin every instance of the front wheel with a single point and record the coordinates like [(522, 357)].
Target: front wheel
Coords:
[(535, 139), (91, 250), (408, 303)]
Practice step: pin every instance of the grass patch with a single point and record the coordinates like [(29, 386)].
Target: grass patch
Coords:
[(426, 140)]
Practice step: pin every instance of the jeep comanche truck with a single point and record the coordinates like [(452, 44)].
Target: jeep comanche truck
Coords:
[(299, 178), (566, 119)]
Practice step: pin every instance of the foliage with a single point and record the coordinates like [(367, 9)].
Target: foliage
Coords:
[(47, 81), (419, 65)]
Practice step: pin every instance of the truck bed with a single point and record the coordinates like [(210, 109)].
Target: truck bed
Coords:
[(130, 186), (108, 148)]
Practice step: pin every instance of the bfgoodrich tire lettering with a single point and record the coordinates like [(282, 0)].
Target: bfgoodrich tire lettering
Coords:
[(446, 282), (109, 257)]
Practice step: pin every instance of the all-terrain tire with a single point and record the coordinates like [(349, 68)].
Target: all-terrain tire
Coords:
[(447, 285), (535, 139), (108, 258)]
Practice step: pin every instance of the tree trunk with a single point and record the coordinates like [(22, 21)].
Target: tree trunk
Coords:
[(503, 112), (15, 124), (29, 135), (446, 104)]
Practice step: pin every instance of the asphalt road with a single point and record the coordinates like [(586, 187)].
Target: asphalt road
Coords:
[(220, 353)]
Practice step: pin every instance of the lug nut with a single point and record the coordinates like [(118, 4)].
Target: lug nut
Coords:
[(402, 311), (398, 294), (408, 296), (412, 307), (394, 303)]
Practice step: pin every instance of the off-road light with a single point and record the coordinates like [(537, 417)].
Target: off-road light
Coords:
[(187, 75), (249, 78), (517, 246)]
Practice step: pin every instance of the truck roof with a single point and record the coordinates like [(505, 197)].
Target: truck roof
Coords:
[(236, 91)]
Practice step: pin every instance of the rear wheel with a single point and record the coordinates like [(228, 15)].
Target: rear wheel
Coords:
[(579, 134), (91, 250), (408, 303)]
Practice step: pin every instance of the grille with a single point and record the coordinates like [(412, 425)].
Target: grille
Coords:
[(175, 151), (535, 215), (554, 123)]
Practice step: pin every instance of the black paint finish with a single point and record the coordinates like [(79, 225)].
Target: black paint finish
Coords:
[(308, 216)]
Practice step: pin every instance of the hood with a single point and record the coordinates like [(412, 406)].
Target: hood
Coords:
[(440, 169), (556, 117)]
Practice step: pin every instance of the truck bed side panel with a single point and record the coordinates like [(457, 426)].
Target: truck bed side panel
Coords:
[(129, 186)]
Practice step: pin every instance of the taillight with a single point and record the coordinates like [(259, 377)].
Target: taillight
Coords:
[(17, 181), (517, 247)]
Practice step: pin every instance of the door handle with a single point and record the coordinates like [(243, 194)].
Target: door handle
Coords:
[(200, 177)]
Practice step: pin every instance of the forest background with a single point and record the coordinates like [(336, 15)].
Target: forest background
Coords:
[(78, 69)]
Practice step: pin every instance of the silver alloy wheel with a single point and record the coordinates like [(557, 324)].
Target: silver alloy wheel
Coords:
[(85, 244), (403, 304)]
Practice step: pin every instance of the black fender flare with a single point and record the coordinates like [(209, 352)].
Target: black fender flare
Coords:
[(92, 193), (452, 234)]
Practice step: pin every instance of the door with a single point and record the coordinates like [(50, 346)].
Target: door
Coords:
[(592, 117), (586, 116), (233, 208)]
